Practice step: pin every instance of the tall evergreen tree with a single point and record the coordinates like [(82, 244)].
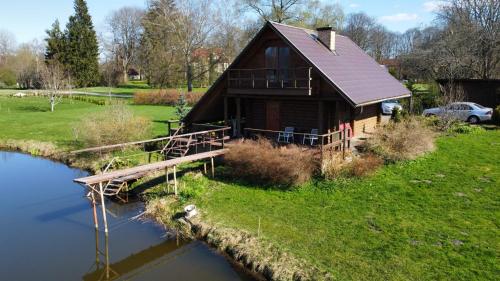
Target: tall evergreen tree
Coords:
[(54, 51), (82, 50)]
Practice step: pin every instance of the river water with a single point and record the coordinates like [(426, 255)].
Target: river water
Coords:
[(47, 233)]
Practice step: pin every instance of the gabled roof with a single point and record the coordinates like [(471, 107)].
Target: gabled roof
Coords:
[(357, 76), (354, 73)]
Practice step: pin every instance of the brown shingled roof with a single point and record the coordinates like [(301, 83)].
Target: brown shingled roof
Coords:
[(358, 76)]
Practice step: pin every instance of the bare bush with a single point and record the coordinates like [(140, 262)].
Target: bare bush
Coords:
[(402, 141), (332, 165), (115, 124), (364, 166), (260, 162), (165, 97), (335, 166)]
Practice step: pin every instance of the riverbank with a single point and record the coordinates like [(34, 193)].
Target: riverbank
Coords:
[(433, 218)]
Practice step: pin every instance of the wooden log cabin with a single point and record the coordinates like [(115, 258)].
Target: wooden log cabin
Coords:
[(294, 77)]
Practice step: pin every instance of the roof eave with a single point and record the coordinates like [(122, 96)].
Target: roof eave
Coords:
[(381, 100)]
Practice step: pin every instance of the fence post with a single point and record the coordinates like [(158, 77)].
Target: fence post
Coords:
[(343, 142)]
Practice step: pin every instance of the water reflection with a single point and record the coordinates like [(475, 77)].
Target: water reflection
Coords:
[(47, 233)]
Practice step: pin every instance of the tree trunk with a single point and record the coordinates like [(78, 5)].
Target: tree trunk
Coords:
[(52, 103), (125, 76), (189, 78)]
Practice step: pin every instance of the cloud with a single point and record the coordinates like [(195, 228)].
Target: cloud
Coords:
[(432, 6), (399, 17), (353, 5)]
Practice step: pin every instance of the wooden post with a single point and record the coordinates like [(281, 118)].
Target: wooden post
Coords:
[(226, 118), (175, 180), (96, 223), (205, 167), (320, 116), (101, 192), (238, 116), (166, 179), (343, 142), (213, 170), (106, 253)]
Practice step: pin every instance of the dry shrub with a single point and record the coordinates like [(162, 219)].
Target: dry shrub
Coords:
[(333, 165), (116, 124), (363, 166), (165, 97), (405, 140), (260, 162)]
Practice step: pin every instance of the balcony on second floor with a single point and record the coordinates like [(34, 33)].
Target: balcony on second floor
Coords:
[(270, 81)]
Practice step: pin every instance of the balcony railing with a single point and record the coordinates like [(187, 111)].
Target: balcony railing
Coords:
[(270, 78)]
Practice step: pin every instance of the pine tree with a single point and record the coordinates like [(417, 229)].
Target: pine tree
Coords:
[(81, 51), (181, 107), (54, 50)]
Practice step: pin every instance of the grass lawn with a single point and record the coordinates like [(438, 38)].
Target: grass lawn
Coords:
[(30, 118), (435, 218), (130, 88)]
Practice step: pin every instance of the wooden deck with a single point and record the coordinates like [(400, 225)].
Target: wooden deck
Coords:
[(140, 171)]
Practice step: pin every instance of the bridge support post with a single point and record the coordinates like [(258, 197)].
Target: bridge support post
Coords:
[(175, 180), (101, 192), (213, 169), (96, 223), (166, 180)]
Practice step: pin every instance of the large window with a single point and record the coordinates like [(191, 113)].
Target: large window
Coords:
[(277, 63)]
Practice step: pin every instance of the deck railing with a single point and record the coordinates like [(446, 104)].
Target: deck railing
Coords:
[(270, 78), (335, 140)]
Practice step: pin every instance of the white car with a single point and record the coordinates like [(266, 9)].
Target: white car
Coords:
[(389, 105), (464, 111)]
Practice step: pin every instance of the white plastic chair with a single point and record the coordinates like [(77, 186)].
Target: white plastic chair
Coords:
[(287, 135), (313, 136)]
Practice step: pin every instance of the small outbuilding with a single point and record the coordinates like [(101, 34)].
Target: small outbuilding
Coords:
[(294, 77), (485, 92)]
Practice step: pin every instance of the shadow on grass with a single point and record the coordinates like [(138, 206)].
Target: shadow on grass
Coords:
[(33, 108)]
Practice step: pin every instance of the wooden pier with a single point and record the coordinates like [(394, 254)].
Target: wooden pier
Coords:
[(180, 148)]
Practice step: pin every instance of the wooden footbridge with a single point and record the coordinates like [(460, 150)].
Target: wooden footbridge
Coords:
[(178, 148)]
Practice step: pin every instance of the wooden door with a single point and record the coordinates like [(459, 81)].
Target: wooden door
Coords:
[(273, 115)]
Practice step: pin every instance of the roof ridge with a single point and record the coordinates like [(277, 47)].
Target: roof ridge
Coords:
[(293, 26)]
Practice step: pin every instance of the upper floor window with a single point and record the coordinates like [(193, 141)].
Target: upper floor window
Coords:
[(277, 57), (277, 63)]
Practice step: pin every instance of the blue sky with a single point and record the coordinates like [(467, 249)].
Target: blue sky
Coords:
[(28, 19)]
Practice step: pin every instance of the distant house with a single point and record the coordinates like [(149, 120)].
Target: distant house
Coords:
[(133, 74), (294, 77), (208, 64), (485, 92)]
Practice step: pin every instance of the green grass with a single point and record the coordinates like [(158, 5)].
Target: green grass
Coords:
[(130, 88), (30, 118), (435, 218)]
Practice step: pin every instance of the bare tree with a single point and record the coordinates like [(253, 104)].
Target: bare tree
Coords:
[(358, 28), (275, 10), (318, 14), (473, 27), (54, 80), (191, 30), (126, 29), (158, 51), (7, 44)]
